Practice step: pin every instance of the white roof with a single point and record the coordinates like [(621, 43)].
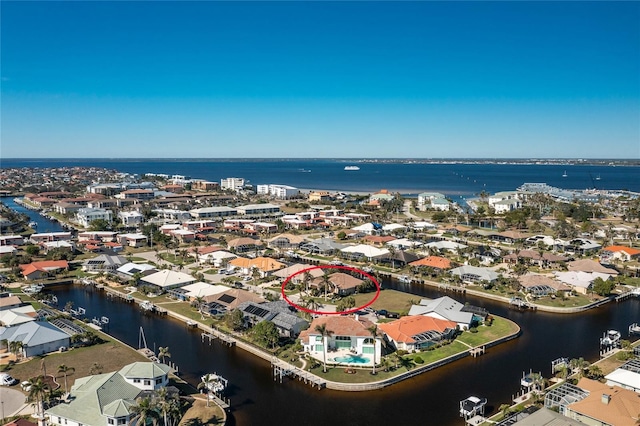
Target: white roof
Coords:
[(404, 242), (580, 278), (364, 227), (626, 378), (7, 249), (201, 289), (217, 255), (484, 273), (168, 278), (19, 315), (393, 227), (424, 225), (131, 268), (58, 244), (366, 250), (446, 245)]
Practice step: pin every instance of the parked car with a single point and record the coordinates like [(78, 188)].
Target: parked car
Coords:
[(7, 380), (392, 315)]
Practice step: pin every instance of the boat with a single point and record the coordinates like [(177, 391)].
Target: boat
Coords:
[(598, 177), (147, 306), (565, 174), (610, 338), (33, 224), (404, 279), (472, 406), (351, 168), (33, 288), (214, 382)]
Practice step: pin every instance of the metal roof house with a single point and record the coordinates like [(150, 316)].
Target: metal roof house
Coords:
[(37, 337), (107, 399)]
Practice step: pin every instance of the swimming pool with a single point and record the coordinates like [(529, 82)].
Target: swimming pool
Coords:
[(352, 359)]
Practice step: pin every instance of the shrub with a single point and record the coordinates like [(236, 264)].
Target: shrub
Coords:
[(473, 330), (418, 360)]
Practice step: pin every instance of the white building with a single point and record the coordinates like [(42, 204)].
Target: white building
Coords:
[(278, 191), (208, 212), (432, 200), (256, 209), (132, 218), (232, 183), (85, 216)]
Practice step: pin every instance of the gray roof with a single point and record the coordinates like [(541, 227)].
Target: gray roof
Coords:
[(483, 273), (32, 333), (445, 307), (106, 260), (144, 370), (277, 312), (325, 244)]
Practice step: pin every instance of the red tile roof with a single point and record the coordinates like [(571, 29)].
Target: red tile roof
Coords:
[(630, 251), (340, 326), (403, 329), (434, 262)]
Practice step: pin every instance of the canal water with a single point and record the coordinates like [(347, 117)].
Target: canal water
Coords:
[(429, 399), (44, 224)]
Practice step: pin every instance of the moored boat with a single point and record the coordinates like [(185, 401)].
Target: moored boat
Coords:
[(472, 406), (351, 168), (214, 382)]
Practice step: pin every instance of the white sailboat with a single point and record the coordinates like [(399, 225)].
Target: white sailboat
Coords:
[(565, 174)]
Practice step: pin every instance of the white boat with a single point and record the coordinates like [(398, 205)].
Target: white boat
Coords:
[(33, 288), (610, 338), (472, 406), (404, 279), (598, 177), (33, 225), (351, 168), (214, 382), (147, 306), (565, 174)]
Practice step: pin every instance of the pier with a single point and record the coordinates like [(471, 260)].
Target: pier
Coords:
[(516, 302), (282, 369), (475, 352), (629, 294), (228, 340)]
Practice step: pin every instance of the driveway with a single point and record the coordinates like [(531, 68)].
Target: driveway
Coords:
[(12, 401)]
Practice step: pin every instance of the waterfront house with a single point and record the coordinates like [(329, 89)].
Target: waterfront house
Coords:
[(436, 263), (414, 333), (17, 315), (97, 236), (128, 270), (580, 281), (626, 376), (446, 308), (349, 335), (200, 289), (432, 200), (131, 218), (278, 312), (103, 263), (363, 252), (107, 399), (604, 405), (474, 274), (11, 240), (50, 236), (167, 279), (533, 257), (8, 301), (399, 258), (542, 285), (37, 337), (43, 269), (230, 299)]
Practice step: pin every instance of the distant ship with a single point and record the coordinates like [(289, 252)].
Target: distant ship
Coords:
[(565, 174), (351, 168), (598, 177)]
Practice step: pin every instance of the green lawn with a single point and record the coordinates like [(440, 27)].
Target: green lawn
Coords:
[(501, 327), (182, 308), (570, 302), (391, 300), (440, 353)]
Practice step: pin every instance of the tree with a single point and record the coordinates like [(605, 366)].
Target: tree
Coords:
[(163, 352), (325, 333), (326, 283), (406, 362), (62, 368), (206, 384), (255, 274), (374, 334), (265, 333), (594, 372), (32, 250), (346, 303), (99, 225), (145, 409), (168, 405), (602, 287), (37, 388), (15, 347), (341, 235), (234, 319)]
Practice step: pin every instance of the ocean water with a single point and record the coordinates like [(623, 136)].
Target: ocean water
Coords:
[(454, 180)]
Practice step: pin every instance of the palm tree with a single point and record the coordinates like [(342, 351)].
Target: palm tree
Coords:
[(255, 274), (207, 381), (166, 402), (199, 303), (407, 362), (374, 334), (15, 347), (325, 333), (37, 388), (326, 283), (307, 277), (144, 410), (163, 352), (62, 368)]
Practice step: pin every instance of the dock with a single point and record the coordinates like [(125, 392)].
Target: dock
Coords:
[(474, 352), (220, 401), (634, 329), (629, 294), (516, 302), (210, 337), (282, 369)]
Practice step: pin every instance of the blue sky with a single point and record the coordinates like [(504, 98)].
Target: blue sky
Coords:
[(324, 79)]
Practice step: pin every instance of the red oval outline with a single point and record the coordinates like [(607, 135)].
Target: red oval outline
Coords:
[(348, 268)]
